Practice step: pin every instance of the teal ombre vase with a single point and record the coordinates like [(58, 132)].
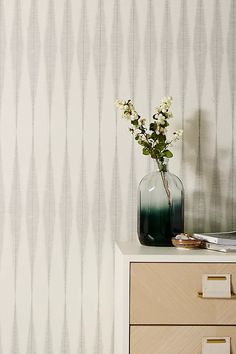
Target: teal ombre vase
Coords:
[(160, 207)]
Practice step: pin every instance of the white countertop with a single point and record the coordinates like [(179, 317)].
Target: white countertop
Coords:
[(137, 252)]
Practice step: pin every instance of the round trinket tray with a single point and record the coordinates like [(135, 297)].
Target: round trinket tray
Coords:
[(186, 241)]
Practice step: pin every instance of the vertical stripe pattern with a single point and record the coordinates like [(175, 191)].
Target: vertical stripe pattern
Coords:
[(32, 192), (69, 168), (15, 202), (150, 59), (231, 51), (67, 46), (183, 51), (99, 204), (49, 196), (200, 50), (2, 77), (166, 48), (117, 44), (83, 52), (133, 64), (216, 62)]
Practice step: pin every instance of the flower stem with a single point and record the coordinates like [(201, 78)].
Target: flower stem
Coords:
[(165, 184), (163, 169)]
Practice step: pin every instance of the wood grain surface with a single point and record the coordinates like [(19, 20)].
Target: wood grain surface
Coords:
[(166, 293), (176, 339)]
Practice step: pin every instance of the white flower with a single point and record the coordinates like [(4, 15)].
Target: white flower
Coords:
[(119, 103), (166, 103), (147, 135), (179, 132), (134, 114), (157, 109), (169, 114), (161, 119), (126, 115), (167, 99), (162, 130), (177, 135), (142, 121), (131, 106)]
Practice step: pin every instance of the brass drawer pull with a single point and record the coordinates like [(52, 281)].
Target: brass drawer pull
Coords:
[(212, 277), (233, 296), (216, 341), (216, 286), (216, 345)]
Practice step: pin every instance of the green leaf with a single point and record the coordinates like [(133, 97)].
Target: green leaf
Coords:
[(162, 138), (146, 144), (153, 126), (159, 146), (146, 151), (154, 136), (168, 154), (134, 122)]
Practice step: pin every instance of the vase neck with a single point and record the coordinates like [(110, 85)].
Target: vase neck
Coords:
[(162, 166)]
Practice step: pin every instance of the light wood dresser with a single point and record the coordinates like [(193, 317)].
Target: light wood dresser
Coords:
[(158, 304)]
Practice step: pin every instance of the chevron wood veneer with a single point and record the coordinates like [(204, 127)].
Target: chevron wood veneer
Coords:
[(166, 293), (176, 339)]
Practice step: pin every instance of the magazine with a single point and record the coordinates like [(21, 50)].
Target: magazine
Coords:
[(220, 248), (221, 238)]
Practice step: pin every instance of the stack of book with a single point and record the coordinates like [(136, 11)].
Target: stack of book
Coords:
[(218, 241)]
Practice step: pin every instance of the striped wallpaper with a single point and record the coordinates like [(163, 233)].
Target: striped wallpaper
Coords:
[(68, 166)]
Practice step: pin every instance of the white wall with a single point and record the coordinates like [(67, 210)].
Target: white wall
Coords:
[(69, 169)]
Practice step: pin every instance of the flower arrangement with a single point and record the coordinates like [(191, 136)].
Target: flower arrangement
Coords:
[(153, 138)]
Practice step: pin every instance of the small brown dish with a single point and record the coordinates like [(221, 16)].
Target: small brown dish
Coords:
[(190, 243)]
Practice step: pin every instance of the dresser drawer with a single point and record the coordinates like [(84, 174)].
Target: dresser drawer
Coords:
[(167, 293), (176, 339)]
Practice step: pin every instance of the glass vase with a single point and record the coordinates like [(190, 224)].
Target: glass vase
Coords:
[(160, 207)]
